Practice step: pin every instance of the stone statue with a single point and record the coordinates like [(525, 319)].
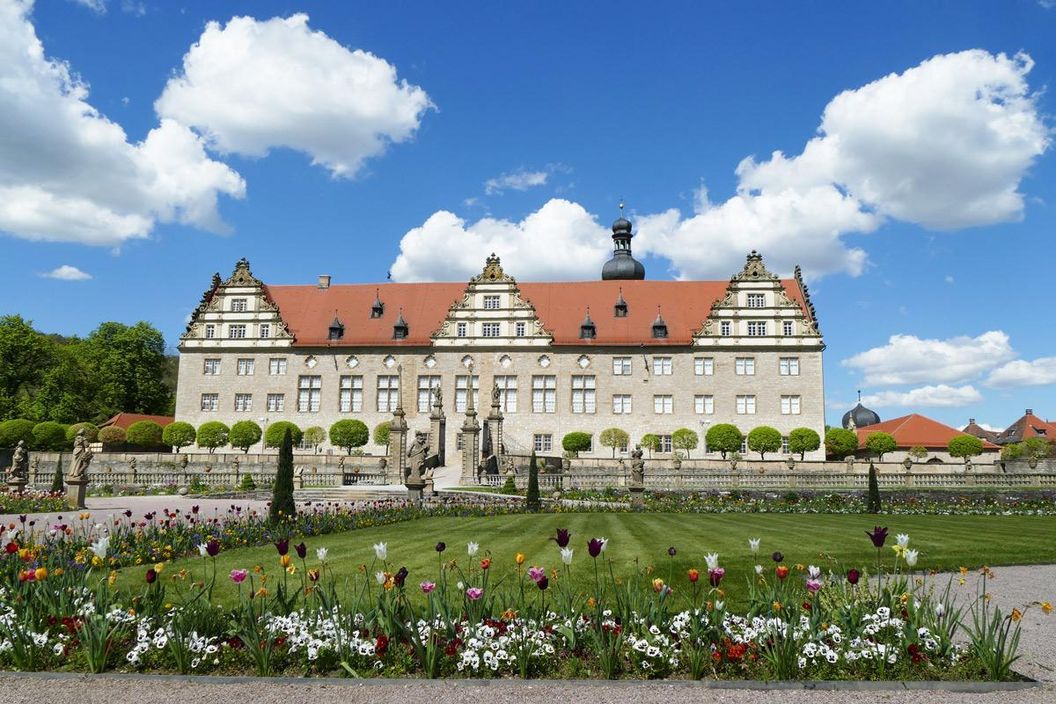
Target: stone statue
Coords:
[(438, 397), (637, 466), (132, 465), (82, 457), (20, 462), (36, 465), (495, 395), (416, 455)]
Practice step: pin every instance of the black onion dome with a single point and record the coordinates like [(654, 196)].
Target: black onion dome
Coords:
[(861, 416), (623, 266)]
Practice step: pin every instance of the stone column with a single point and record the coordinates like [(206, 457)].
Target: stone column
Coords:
[(470, 442), (438, 430), (495, 426), (394, 473)]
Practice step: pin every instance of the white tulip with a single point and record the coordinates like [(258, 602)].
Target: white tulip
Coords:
[(759, 569), (202, 549), (321, 554), (753, 543), (566, 555), (102, 545), (940, 610), (380, 576), (719, 605), (813, 572), (903, 540), (911, 557), (381, 550), (472, 548), (712, 558)]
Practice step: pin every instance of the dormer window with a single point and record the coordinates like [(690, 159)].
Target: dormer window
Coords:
[(587, 330), (400, 329), (377, 309), (336, 330), (620, 309), (659, 326)]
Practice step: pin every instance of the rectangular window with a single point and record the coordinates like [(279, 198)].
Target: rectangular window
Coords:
[(265, 330), (458, 442), (704, 404), (460, 329), (704, 366), (665, 443), (350, 394), (243, 403), (507, 393), (788, 328), (662, 366), (246, 367), (544, 394), (426, 384), (744, 366), (388, 393), (491, 302), (543, 442), (756, 300), (277, 366), (210, 331), (276, 403), (210, 402), (461, 389), (621, 404), (236, 332), (744, 445), (520, 328), (489, 329), (621, 366), (756, 328), (211, 367), (789, 366), (309, 390), (745, 405), (583, 399), (784, 444), (790, 405), (239, 305), (663, 403), (725, 328)]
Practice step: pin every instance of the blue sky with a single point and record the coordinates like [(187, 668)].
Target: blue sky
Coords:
[(923, 217)]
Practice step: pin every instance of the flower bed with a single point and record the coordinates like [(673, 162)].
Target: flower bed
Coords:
[(32, 502), (475, 616)]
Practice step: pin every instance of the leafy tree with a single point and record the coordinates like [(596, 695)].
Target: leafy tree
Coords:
[(651, 442), (724, 438), (532, 501), (314, 436), (1012, 451), (803, 440), (91, 432), (764, 439), (178, 434), (11, 431), (381, 433), (685, 439), (25, 355), (283, 507), (614, 437), (129, 363), (111, 435), (349, 433), (880, 443), (144, 433), (840, 442), (918, 452), (277, 431), (68, 389), (57, 483), (872, 502), (575, 442), (212, 435), (1036, 448), (49, 435), (244, 435), (965, 446)]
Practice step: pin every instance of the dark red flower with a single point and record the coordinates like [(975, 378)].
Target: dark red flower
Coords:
[(301, 549), (283, 546), (878, 536), (441, 546), (853, 576), (151, 576), (542, 583), (11, 548), (381, 645), (562, 538), (671, 551), (212, 547), (777, 557), (594, 547), (400, 577)]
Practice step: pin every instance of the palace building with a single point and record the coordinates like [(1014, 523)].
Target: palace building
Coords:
[(623, 351)]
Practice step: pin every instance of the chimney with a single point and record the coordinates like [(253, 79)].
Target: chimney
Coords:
[(971, 421), (324, 281), (1030, 411)]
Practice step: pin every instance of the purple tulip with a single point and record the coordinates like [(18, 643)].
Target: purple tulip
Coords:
[(301, 549), (777, 557), (542, 583), (878, 536), (562, 538), (671, 551), (212, 547), (283, 546), (441, 546), (400, 577), (853, 576), (595, 546)]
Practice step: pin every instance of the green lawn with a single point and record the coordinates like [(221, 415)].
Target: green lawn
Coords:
[(945, 543)]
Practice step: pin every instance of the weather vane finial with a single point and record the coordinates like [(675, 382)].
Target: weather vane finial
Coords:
[(859, 395), (621, 207)]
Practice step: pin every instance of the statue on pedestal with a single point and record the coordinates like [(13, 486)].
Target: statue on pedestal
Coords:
[(416, 455), (20, 463), (82, 458), (637, 467), (438, 397)]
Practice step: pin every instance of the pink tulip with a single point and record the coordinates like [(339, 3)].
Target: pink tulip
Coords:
[(474, 593), (239, 576), (427, 587), (536, 573), (813, 585)]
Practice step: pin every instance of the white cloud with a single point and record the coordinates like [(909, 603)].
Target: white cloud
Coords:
[(252, 86), (67, 273), (907, 359), (97, 6), (561, 240), (941, 395), (520, 180), (991, 428), (948, 279), (69, 174), (1039, 372)]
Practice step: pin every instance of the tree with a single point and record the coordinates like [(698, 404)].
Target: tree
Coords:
[(918, 452), (11, 431), (685, 439), (872, 503), (880, 443), (129, 364), (965, 446), (57, 483), (25, 355), (1036, 448), (651, 442), (283, 506), (614, 437), (840, 442), (49, 435), (724, 438), (91, 432), (1012, 451), (277, 431), (178, 434), (349, 433), (381, 433), (244, 435), (575, 442), (112, 435), (532, 501), (144, 433), (764, 439), (803, 440), (314, 436), (212, 435)]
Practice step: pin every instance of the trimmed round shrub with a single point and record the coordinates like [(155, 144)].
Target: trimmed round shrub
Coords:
[(11, 431), (724, 438), (840, 442), (577, 441), (275, 432), (651, 442), (381, 433), (803, 440), (178, 434), (880, 443), (111, 435), (91, 431), (965, 446), (144, 433), (764, 439), (49, 435), (349, 433), (212, 435), (244, 435), (685, 439), (614, 437), (314, 436)]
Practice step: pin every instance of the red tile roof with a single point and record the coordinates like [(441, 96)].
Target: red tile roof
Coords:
[(684, 305), (124, 420), (915, 429), (1028, 426)]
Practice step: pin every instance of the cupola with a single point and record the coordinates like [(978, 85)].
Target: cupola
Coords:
[(587, 330), (622, 265), (399, 328), (377, 309), (859, 416)]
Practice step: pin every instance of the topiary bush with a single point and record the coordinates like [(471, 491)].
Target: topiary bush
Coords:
[(91, 432), (803, 440), (651, 442), (685, 439), (244, 435), (57, 483), (283, 506), (178, 434), (764, 439), (724, 438), (212, 435), (112, 435), (314, 436), (277, 431), (247, 483), (965, 446), (509, 486), (381, 434), (11, 431), (49, 435), (872, 501), (144, 433), (840, 442), (532, 501), (577, 441), (614, 437), (348, 434)]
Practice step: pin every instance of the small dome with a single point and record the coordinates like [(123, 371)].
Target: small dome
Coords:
[(621, 226), (623, 266), (861, 416)]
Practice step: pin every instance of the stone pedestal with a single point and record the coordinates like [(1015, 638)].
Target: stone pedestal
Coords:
[(637, 495), (438, 432), (470, 443), (495, 430), (429, 489), (16, 485), (76, 492), (395, 472), (415, 493)]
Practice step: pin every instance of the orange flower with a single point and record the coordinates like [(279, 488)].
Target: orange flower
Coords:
[(658, 584), (485, 563), (776, 605), (1016, 615), (694, 575), (41, 574), (1046, 607), (285, 560), (519, 558), (592, 602), (782, 571)]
